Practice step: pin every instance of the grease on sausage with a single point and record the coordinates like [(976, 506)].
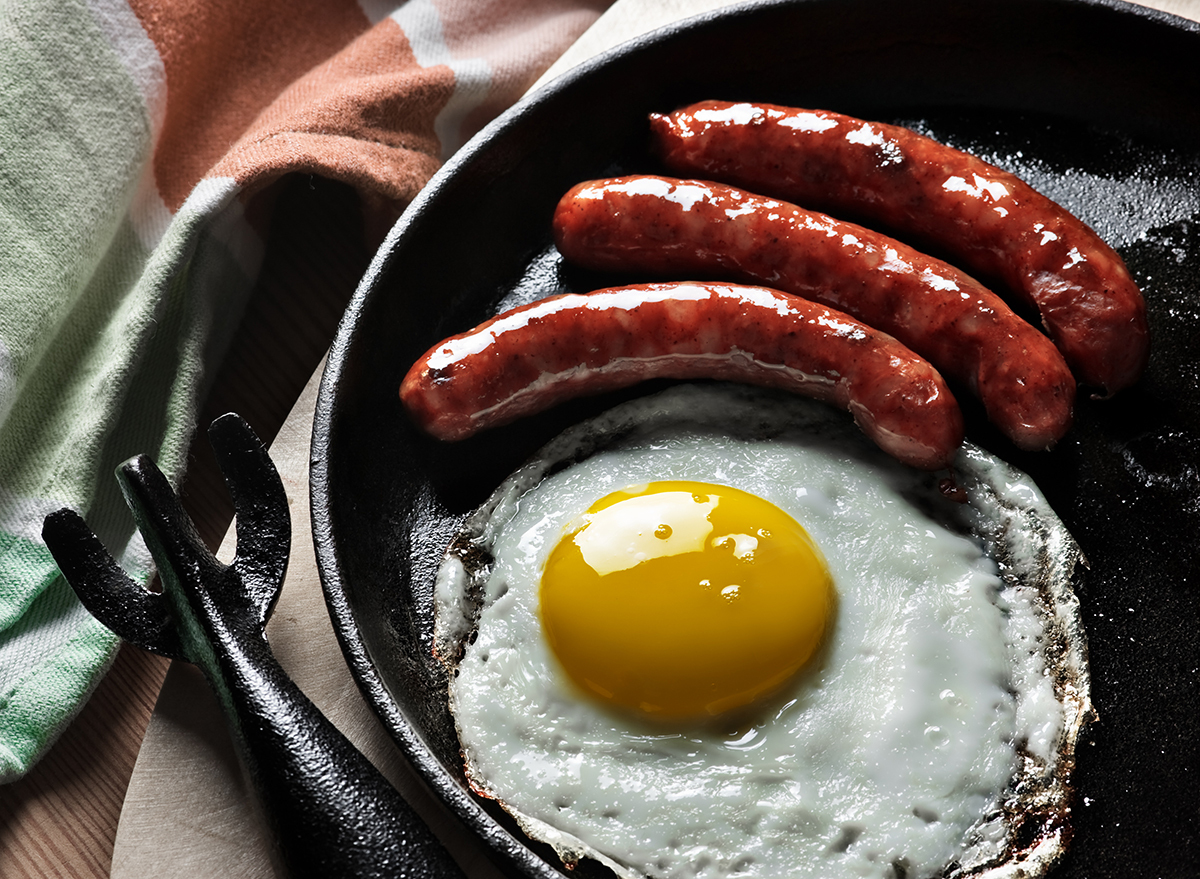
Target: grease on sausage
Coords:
[(530, 358), (689, 228), (991, 221)]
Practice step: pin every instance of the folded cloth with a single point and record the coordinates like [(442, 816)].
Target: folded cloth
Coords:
[(136, 140)]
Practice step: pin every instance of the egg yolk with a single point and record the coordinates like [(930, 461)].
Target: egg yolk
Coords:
[(684, 599)]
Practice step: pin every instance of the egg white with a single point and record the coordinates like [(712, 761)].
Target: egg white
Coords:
[(898, 752)]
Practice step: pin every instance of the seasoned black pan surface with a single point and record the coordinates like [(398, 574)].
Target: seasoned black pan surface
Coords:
[(1097, 104)]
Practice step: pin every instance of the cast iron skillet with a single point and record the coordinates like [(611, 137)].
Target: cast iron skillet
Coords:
[(1098, 103)]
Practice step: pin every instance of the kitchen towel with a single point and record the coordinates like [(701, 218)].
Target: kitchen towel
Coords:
[(138, 143)]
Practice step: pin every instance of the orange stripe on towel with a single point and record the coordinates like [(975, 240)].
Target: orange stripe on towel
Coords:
[(365, 117), (227, 60)]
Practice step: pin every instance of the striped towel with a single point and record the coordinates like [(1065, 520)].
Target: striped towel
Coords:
[(135, 137)]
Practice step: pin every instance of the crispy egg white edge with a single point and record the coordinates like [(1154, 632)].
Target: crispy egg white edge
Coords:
[(1005, 512)]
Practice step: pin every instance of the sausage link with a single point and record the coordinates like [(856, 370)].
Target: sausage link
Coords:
[(690, 228), (530, 358), (990, 221)]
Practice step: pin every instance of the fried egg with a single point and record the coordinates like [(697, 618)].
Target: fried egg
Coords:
[(715, 632)]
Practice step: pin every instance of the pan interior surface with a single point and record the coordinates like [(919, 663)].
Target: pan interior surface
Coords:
[(1096, 104)]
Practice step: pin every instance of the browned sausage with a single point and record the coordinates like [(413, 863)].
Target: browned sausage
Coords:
[(689, 228), (530, 358), (990, 221)]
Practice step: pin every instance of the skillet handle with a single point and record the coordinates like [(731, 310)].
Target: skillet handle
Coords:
[(332, 811)]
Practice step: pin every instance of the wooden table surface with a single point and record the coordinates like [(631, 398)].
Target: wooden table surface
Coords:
[(61, 819)]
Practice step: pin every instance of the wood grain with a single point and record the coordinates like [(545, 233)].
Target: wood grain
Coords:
[(60, 820)]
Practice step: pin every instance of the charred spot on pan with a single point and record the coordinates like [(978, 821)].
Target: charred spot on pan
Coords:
[(453, 634), (847, 837)]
